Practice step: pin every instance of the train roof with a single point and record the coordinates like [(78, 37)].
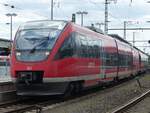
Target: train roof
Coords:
[(141, 51), (95, 29), (43, 24), (116, 36), (45, 21)]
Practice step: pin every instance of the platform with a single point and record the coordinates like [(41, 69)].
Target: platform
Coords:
[(5, 74)]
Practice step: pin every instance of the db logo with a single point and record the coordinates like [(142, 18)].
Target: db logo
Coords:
[(29, 68)]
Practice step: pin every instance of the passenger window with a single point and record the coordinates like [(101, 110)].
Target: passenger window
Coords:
[(84, 46), (68, 48), (81, 46)]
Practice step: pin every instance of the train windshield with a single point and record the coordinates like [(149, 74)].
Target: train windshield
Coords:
[(37, 38), (38, 35)]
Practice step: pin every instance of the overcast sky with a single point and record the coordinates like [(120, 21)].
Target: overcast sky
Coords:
[(137, 11)]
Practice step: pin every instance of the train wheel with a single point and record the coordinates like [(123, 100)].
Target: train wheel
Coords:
[(78, 87), (69, 90), (116, 79), (73, 89)]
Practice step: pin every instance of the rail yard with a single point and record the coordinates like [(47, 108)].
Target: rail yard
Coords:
[(110, 98)]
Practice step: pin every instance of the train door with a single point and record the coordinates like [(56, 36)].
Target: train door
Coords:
[(102, 61), (117, 63), (140, 63)]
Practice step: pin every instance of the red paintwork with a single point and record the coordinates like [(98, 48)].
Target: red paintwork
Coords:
[(136, 60), (69, 67), (143, 62)]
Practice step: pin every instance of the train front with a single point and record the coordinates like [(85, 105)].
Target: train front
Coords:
[(32, 52)]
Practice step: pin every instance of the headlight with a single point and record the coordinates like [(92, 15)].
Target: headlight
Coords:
[(18, 53), (46, 53)]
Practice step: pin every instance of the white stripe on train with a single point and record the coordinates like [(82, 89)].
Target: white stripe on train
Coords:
[(85, 77)]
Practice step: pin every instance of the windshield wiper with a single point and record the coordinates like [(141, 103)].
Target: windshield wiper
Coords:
[(34, 38), (40, 43), (33, 49)]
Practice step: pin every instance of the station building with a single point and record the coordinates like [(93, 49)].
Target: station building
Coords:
[(5, 46)]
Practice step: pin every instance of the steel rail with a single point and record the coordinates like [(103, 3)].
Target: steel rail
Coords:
[(25, 109), (6, 83), (131, 103), (8, 103), (17, 106)]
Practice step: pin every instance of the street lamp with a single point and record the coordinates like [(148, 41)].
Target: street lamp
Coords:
[(82, 13), (11, 15)]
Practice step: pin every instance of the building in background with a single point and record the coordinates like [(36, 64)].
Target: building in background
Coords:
[(5, 47)]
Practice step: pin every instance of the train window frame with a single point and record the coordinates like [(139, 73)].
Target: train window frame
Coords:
[(68, 47), (95, 53), (84, 46)]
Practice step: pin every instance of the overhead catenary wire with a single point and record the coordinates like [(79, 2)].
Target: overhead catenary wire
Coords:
[(102, 3), (60, 8)]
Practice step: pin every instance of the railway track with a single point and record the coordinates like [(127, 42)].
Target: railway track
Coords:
[(13, 106), (131, 103), (54, 108), (7, 91), (29, 104), (23, 106), (6, 86)]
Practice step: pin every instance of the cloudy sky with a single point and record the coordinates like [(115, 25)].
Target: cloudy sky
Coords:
[(137, 12)]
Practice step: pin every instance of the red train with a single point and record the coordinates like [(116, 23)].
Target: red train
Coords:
[(54, 57)]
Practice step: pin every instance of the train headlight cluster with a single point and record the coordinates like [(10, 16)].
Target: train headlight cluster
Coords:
[(18, 53), (46, 53)]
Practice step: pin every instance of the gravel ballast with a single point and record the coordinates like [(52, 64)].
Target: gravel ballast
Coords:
[(104, 101), (141, 107)]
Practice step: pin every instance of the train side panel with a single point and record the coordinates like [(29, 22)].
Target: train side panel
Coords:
[(136, 61), (110, 58), (143, 62), (125, 59)]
